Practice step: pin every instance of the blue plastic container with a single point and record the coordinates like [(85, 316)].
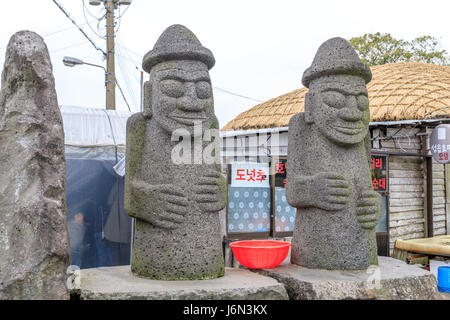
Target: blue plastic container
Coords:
[(444, 279)]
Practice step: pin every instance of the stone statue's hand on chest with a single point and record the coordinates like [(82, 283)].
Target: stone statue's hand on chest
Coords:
[(164, 206), (326, 190), (368, 209), (210, 191)]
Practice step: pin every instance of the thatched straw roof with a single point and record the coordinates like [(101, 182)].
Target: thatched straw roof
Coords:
[(398, 91)]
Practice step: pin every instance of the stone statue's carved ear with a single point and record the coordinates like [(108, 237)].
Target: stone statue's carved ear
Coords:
[(368, 146), (214, 122), (148, 99), (308, 108)]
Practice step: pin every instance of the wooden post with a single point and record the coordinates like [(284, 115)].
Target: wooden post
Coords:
[(110, 62), (447, 197), (429, 195)]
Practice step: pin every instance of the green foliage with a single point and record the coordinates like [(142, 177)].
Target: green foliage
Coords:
[(381, 48)]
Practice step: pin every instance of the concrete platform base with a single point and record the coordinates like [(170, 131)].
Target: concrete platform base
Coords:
[(393, 280), (118, 283)]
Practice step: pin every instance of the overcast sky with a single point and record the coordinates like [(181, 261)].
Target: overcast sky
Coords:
[(261, 47)]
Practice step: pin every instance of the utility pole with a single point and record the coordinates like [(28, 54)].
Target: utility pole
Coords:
[(110, 6), (110, 61)]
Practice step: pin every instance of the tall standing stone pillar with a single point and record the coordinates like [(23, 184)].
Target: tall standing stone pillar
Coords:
[(34, 243)]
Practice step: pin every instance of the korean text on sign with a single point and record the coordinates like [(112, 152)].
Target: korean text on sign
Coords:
[(378, 168), (250, 175)]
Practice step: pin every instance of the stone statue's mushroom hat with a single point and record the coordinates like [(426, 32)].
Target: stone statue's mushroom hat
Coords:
[(336, 56), (177, 43)]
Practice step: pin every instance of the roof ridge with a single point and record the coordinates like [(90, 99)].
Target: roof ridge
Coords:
[(393, 87)]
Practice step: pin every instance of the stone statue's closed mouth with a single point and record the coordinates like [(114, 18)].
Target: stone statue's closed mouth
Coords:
[(188, 118), (347, 129)]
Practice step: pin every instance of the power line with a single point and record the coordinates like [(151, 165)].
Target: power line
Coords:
[(119, 41), (131, 51), (93, 16), (79, 28), (108, 15), (135, 63), (98, 25), (236, 94), (123, 96), (51, 34), (89, 25), (122, 54), (126, 77), (121, 14), (104, 53), (220, 89), (71, 46), (61, 30)]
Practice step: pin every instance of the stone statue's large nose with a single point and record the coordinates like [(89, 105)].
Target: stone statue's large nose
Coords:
[(189, 102), (351, 111)]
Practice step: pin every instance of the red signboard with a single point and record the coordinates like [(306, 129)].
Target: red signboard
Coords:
[(280, 173), (249, 174), (378, 169), (377, 166), (440, 143)]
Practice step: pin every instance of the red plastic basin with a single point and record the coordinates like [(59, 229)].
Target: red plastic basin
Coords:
[(260, 254)]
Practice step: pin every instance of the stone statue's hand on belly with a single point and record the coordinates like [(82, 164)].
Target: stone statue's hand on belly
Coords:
[(368, 209), (210, 191), (164, 205), (326, 190)]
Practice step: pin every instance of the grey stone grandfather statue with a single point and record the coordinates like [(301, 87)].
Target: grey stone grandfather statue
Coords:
[(329, 179), (176, 205)]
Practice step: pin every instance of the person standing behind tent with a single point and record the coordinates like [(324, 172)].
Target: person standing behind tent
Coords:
[(77, 230)]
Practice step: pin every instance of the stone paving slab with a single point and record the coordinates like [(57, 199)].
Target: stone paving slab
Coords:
[(394, 280), (118, 283)]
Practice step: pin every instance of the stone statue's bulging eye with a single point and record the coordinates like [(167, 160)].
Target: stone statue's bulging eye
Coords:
[(363, 102), (334, 99), (172, 88), (203, 89)]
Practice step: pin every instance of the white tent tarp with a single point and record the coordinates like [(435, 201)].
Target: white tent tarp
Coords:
[(94, 144), (89, 127)]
